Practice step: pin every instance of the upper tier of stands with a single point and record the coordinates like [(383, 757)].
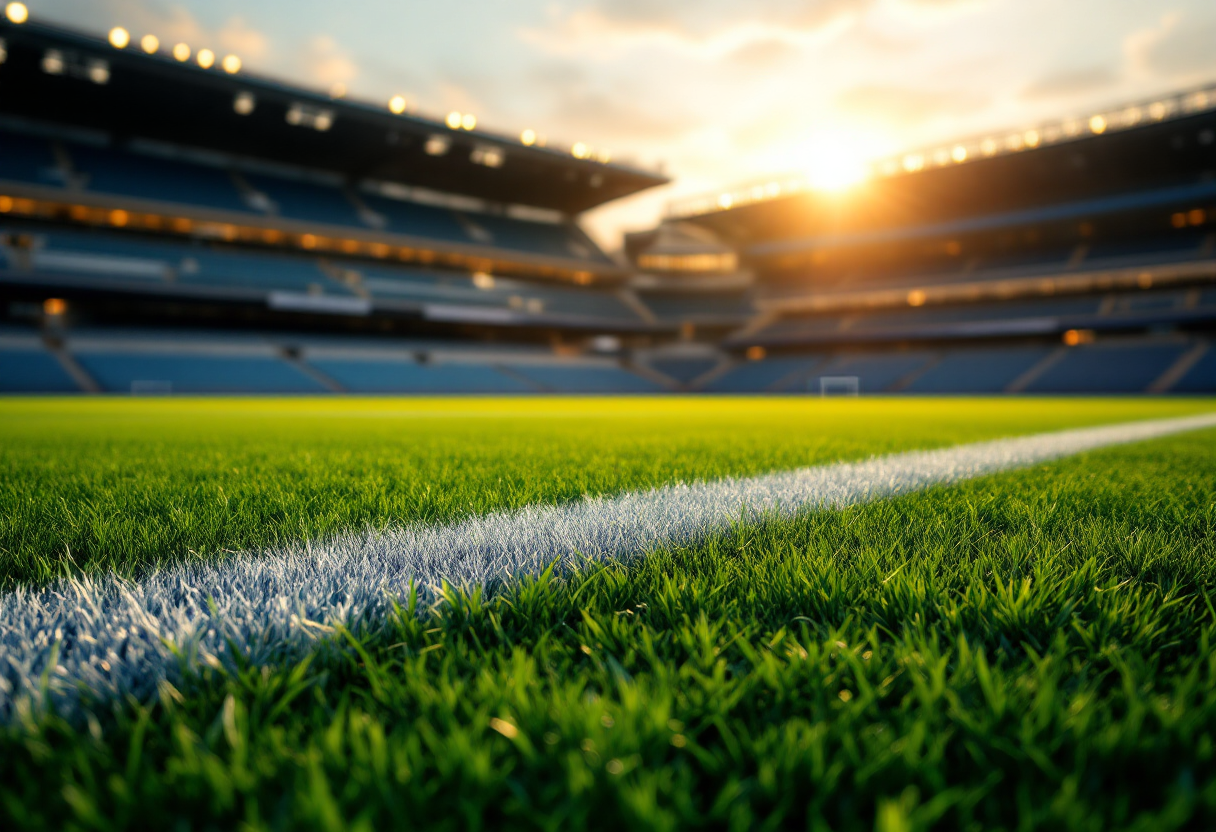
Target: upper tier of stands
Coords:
[(185, 185), (148, 265)]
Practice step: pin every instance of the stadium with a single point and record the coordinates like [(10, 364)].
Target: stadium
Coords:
[(350, 482)]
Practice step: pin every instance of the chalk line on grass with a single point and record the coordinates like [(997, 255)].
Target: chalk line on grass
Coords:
[(108, 636)]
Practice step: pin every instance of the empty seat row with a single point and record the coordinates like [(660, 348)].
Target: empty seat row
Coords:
[(119, 172)]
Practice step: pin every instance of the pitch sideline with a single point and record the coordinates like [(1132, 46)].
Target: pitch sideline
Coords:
[(113, 636)]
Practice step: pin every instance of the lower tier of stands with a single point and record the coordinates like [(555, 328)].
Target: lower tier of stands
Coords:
[(169, 363)]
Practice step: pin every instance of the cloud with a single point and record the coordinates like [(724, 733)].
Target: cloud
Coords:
[(902, 106), (325, 63), (1069, 82), (702, 18), (762, 54), (1180, 45)]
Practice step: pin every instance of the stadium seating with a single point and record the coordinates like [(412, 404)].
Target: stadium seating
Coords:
[(875, 373), (761, 376), (700, 306), (124, 173), (978, 371), (26, 367), (309, 201), (1108, 368), (1201, 377), (684, 370), (165, 367), (585, 379), (28, 159), (400, 375)]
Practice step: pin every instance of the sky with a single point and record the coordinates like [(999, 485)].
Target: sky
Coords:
[(716, 92)]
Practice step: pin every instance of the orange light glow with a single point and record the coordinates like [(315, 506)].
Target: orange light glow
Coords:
[(835, 163), (54, 306)]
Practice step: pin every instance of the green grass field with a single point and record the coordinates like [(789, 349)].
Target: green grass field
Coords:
[(1028, 650)]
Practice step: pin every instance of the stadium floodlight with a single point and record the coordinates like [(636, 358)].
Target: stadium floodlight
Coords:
[(53, 62), (16, 12), (959, 154), (181, 52), (149, 43), (914, 162), (206, 58), (244, 103), (436, 145), (483, 281), (580, 150), (231, 64), (98, 72), (1157, 110), (488, 155), (397, 104), (527, 137), (988, 147), (119, 37), (453, 120), (468, 121), (1097, 125), (1032, 138)]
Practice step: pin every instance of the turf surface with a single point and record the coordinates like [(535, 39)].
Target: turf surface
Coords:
[(1030, 650), (120, 485)]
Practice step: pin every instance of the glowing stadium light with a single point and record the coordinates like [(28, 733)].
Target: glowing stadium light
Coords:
[(580, 150), (453, 120), (338, 90), (1072, 127), (119, 37), (98, 72), (914, 162), (468, 121), (149, 43), (244, 103), (1032, 138), (725, 201), (16, 13), (488, 155), (323, 121), (1156, 110), (231, 64), (397, 104), (52, 62), (1132, 116), (528, 138), (916, 297), (437, 145), (988, 147), (483, 281), (206, 58), (1014, 142), (54, 306), (1097, 125), (181, 52), (959, 154)]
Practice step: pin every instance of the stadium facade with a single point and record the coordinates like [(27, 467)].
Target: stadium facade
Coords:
[(175, 225)]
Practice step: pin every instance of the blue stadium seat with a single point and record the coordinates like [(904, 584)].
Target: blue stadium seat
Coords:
[(684, 370), (586, 379), (401, 376), (31, 369), (875, 373), (125, 372), (307, 201), (1201, 378), (28, 159), (147, 177), (1100, 368), (978, 371), (760, 376), (416, 219), (693, 306), (555, 240)]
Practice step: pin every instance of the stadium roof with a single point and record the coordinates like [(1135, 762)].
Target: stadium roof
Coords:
[(54, 74)]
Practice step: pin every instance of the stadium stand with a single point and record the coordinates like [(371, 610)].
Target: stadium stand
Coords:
[(165, 228)]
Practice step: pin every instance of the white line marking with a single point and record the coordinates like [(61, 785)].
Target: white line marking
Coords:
[(112, 636)]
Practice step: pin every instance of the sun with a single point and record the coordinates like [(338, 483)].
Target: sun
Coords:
[(835, 162)]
